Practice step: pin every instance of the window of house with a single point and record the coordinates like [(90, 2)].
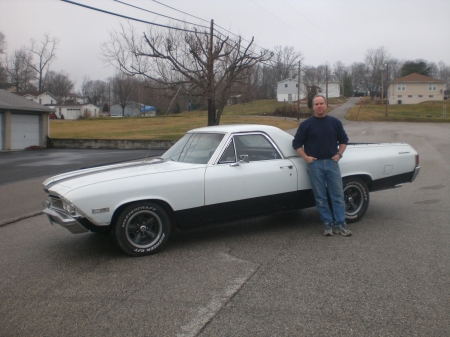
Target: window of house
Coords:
[(431, 96), (409, 95), (285, 85), (399, 96), (401, 87), (40, 101), (420, 95), (296, 85), (432, 86)]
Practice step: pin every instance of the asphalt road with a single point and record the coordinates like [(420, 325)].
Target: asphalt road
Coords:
[(22, 174), (273, 276)]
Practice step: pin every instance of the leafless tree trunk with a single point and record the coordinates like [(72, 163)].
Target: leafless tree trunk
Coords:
[(19, 71), (46, 53), (59, 84), (181, 58), (96, 91), (2, 43), (122, 87), (376, 60)]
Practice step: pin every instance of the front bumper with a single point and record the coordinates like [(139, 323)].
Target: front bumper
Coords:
[(64, 220)]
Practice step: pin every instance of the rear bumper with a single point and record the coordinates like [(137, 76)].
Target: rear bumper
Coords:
[(64, 220), (415, 173)]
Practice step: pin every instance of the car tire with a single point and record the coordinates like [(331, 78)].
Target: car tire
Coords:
[(356, 196), (142, 228)]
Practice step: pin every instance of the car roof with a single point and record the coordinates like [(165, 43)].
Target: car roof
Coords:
[(280, 137)]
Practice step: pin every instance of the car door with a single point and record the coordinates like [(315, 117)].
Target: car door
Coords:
[(250, 177)]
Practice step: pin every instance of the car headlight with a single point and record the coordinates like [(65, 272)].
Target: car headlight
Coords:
[(68, 207)]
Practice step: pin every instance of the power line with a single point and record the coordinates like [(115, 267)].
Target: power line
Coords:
[(146, 10), (130, 18)]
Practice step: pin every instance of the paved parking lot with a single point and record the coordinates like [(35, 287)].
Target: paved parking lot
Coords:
[(273, 276)]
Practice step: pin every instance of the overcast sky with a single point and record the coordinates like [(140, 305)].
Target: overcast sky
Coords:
[(324, 31)]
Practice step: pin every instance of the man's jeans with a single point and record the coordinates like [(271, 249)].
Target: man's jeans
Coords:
[(323, 174)]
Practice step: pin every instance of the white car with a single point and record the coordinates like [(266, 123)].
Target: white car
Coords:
[(213, 174)]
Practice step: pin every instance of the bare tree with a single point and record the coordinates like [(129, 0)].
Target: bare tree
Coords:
[(3, 73), (45, 51), (376, 60), (122, 87), (59, 84), (2, 43), (441, 71), (339, 72), (19, 71), (95, 91), (191, 62)]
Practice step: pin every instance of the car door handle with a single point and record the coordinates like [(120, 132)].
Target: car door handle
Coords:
[(234, 164), (289, 167)]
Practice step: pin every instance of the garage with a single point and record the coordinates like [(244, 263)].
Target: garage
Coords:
[(23, 123), (24, 131), (1, 131)]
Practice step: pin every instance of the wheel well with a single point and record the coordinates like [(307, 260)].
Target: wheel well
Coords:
[(161, 203), (364, 177)]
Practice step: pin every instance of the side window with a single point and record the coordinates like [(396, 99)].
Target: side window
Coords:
[(257, 147), (229, 156)]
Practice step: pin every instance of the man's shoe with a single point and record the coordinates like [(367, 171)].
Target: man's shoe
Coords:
[(343, 231), (328, 231)]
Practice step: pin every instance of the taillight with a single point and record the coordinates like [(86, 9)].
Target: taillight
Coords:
[(417, 159)]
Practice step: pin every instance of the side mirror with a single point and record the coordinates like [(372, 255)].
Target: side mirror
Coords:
[(243, 158)]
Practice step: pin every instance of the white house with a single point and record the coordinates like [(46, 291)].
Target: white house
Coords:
[(74, 98), (43, 98), (415, 88), (334, 89), (76, 110), (287, 90)]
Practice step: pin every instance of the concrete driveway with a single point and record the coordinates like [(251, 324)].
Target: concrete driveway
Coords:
[(273, 276)]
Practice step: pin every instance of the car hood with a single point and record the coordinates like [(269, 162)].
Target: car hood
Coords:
[(76, 179)]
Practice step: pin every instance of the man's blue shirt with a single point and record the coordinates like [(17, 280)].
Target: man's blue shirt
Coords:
[(320, 137)]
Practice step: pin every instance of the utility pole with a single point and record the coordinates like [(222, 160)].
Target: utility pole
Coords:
[(298, 91), (326, 79), (387, 85), (211, 103)]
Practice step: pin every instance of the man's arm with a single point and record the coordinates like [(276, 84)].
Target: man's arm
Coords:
[(305, 157), (341, 150)]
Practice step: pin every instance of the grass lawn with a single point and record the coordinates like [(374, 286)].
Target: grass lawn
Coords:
[(171, 127), (431, 111)]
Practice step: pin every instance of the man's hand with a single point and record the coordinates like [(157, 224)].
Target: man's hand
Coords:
[(336, 157), (309, 159)]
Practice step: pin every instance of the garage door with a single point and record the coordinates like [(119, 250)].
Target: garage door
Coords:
[(24, 131)]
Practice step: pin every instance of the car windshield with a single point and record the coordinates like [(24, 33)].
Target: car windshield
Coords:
[(194, 148)]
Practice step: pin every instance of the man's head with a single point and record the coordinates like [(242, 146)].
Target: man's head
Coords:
[(320, 106)]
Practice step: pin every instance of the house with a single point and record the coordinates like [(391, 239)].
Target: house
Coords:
[(73, 98), (132, 109), (23, 123), (287, 90), (41, 97), (334, 89), (76, 110), (415, 88)]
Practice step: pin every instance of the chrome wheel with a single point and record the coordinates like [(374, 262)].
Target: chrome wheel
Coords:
[(143, 229)]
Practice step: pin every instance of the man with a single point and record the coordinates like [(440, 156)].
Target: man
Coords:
[(321, 141)]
